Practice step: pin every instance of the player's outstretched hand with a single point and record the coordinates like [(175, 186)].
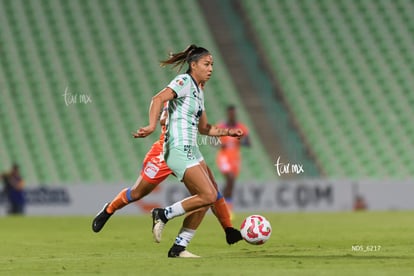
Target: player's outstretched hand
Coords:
[(232, 235), (236, 132), (143, 132)]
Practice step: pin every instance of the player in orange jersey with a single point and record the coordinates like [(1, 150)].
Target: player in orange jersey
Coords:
[(228, 157)]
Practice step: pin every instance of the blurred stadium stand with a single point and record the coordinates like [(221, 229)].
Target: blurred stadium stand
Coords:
[(109, 51), (256, 86), (346, 70)]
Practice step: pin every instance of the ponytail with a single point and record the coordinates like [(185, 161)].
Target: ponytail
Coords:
[(190, 54)]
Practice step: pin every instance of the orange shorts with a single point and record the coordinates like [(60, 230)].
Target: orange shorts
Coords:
[(154, 169), (227, 164)]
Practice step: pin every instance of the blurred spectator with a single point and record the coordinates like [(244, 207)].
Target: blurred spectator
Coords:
[(359, 203), (14, 191), (228, 157)]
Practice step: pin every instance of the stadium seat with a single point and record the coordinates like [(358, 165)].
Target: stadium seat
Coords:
[(346, 71), (109, 51)]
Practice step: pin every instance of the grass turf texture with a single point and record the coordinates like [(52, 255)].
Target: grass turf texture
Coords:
[(301, 244)]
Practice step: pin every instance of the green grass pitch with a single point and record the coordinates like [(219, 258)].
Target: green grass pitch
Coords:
[(365, 243)]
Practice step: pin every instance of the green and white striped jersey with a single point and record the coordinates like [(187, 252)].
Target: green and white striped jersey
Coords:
[(184, 112)]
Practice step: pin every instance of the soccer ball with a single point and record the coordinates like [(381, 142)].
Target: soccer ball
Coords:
[(256, 229)]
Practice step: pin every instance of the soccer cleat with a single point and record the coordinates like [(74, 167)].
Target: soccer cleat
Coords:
[(178, 251), (232, 235), (186, 254), (158, 223), (100, 219)]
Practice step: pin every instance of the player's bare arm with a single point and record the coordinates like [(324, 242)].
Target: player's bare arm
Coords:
[(156, 105), (207, 129)]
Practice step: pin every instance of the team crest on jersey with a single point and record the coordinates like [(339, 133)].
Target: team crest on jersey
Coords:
[(180, 82)]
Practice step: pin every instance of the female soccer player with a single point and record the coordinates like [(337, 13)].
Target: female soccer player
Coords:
[(186, 117), (154, 171), (228, 157)]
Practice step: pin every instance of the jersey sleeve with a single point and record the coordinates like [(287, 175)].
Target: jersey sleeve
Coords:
[(178, 84)]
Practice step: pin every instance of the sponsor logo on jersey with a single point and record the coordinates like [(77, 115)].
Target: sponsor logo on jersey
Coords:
[(151, 170)]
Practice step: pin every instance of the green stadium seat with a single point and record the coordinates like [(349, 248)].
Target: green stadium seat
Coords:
[(103, 49), (361, 102)]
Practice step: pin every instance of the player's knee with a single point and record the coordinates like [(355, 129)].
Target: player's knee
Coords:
[(208, 198)]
